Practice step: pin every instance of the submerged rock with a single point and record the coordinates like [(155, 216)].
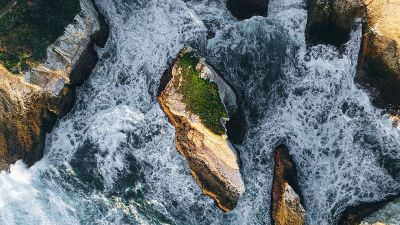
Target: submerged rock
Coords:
[(287, 208), (357, 215), (376, 223), (244, 9), (195, 100), (388, 215), (30, 104)]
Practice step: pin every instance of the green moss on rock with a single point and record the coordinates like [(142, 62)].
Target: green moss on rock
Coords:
[(200, 95), (30, 27)]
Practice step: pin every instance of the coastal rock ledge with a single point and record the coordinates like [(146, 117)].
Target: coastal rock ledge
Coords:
[(33, 100), (195, 100)]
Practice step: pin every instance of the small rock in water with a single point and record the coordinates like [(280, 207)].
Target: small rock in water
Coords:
[(287, 208)]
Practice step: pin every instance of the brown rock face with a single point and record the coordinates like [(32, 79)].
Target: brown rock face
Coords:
[(211, 158), (330, 21), (286, 203), (244, 9), (30, 104), (379, 66)]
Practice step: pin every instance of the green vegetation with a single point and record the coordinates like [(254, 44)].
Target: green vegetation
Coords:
[(30, 27), (201, 95)]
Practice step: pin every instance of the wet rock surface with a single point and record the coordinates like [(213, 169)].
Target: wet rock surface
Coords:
[(244, 9), (32, 103), (330, 21), (287, 206), (379, 62), (211, 158)]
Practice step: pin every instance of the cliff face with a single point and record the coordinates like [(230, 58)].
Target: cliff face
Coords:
[(211, 158), (30, 103), (379, 66), (286, 204)]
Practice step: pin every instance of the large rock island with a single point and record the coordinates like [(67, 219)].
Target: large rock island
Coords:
[(195, 100), (40, 68)]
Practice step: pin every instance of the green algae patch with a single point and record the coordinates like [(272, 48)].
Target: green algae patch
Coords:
[(200, 95), (30, 27)]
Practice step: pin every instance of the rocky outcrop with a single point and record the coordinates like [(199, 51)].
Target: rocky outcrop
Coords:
[(330, 21), (244, 9), (379, 63), (30, 104), (287, 206), (211, 158)]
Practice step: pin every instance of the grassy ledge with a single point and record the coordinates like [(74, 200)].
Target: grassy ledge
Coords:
[(30, 27), (200, 95)]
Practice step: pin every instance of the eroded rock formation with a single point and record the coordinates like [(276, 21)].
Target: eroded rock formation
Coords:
[(287, 208), (30, 104), (244, 9), (199, 138)]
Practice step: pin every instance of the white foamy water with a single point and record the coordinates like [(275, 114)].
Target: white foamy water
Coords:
[(112, 160)]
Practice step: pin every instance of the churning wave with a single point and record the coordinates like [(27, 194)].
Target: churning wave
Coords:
[(112, 159)]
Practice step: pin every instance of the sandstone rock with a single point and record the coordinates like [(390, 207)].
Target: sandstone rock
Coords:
[(30, 105), (244, 9), (379, 64), (211, 158), (330, 21), (287, 208)]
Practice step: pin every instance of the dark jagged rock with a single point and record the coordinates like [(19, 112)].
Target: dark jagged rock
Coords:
[(287, 206), (354, 215), (330, 21), (244, 9)]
